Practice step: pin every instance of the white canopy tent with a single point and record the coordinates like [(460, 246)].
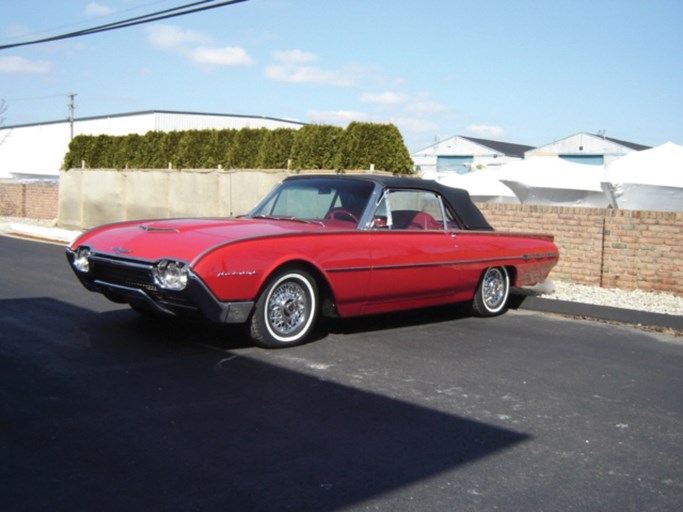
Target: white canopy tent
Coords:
[(647, 180)]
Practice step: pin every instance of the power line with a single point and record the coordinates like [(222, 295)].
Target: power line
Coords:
[(81, 23), (130, 22)]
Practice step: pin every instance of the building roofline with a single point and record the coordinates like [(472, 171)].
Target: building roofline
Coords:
[(148, 112), (505, 148), (630, 145)]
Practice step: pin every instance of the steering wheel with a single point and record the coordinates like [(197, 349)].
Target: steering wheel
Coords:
[(341, 214)]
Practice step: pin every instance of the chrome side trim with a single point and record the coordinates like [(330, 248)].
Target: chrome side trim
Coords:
[(524, 257)]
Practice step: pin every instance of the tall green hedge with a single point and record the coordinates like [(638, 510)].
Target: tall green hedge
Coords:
[(315, 146), (358, 146), (276, 149), (366, 144)]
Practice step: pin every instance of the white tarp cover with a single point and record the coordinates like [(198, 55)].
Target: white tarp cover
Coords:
[(647, 180), (483, 186), (552, 180)]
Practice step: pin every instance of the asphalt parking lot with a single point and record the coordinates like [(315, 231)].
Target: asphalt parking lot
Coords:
[(430, 410)]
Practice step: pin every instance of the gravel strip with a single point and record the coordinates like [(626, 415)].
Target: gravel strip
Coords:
[(638, 300)]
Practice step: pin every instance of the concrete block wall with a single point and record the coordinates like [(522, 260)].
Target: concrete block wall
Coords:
[(88, 198)]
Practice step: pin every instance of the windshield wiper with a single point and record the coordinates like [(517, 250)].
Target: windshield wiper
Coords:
[(287, 218)]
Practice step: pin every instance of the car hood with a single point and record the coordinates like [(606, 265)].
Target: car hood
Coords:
[(183, 239)]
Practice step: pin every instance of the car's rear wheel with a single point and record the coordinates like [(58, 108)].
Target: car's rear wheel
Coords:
[(492, 293), (286, 310)]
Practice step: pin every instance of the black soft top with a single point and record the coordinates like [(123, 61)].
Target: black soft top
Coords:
[(458, 199)]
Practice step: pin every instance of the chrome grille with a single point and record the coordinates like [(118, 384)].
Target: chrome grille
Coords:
[(121, 272), (133, 274)]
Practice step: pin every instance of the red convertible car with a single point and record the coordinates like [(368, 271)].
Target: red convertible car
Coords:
[(337, 245)]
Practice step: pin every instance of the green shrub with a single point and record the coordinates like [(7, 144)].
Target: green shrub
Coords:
[(315, 146), (153, 154), (222, 140), (245, 146), (276, 148), (367, 144)]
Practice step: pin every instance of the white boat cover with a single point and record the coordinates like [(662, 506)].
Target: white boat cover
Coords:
[(647, 180), (554, 181)]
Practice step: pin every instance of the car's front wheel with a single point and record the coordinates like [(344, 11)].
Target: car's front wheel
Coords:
[(286, 310), (491, 296)]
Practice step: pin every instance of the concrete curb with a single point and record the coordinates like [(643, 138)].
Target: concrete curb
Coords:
[(604, 313), (50, 234)]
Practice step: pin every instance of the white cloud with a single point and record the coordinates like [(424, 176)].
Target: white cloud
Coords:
[(228, 56), (336, 116), (415, 125), (486, 131), (426, 108), (192, 45), (307, 75), (291, 67), (384, 98), (294, 56), (95, 10), (169, 37), (20, 65)]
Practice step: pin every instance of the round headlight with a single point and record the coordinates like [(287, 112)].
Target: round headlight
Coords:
[(171, 275), (82, 259)]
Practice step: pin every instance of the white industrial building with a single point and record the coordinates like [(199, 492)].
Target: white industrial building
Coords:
[(36, 151), (587, 148), (462, 154)]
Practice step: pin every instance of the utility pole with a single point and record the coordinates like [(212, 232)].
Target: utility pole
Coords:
[(71, 107)]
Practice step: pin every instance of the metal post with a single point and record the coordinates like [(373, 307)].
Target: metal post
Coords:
[(71, 107)]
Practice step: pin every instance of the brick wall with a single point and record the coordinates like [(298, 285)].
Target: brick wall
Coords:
[(30, 200), (11, 200), (611, 248), (644, 250)]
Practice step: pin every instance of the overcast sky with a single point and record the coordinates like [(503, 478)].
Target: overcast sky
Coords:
[(523, 71)]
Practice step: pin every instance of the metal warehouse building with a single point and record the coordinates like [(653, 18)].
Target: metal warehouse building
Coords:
[(36, 151), (587, 148), (462, 154)]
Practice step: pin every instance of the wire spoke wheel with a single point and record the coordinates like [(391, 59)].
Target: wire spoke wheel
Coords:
[(492, 293), (493, 288), (286, 310)]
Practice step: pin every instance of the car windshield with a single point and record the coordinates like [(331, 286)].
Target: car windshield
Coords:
[(317, 199)]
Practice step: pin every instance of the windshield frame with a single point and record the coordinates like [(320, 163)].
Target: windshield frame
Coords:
[(362, 192)]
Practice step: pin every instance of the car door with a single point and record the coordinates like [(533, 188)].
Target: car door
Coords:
[(414, 253)]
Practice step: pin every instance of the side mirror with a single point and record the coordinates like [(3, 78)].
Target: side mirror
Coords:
[(379, 223)]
